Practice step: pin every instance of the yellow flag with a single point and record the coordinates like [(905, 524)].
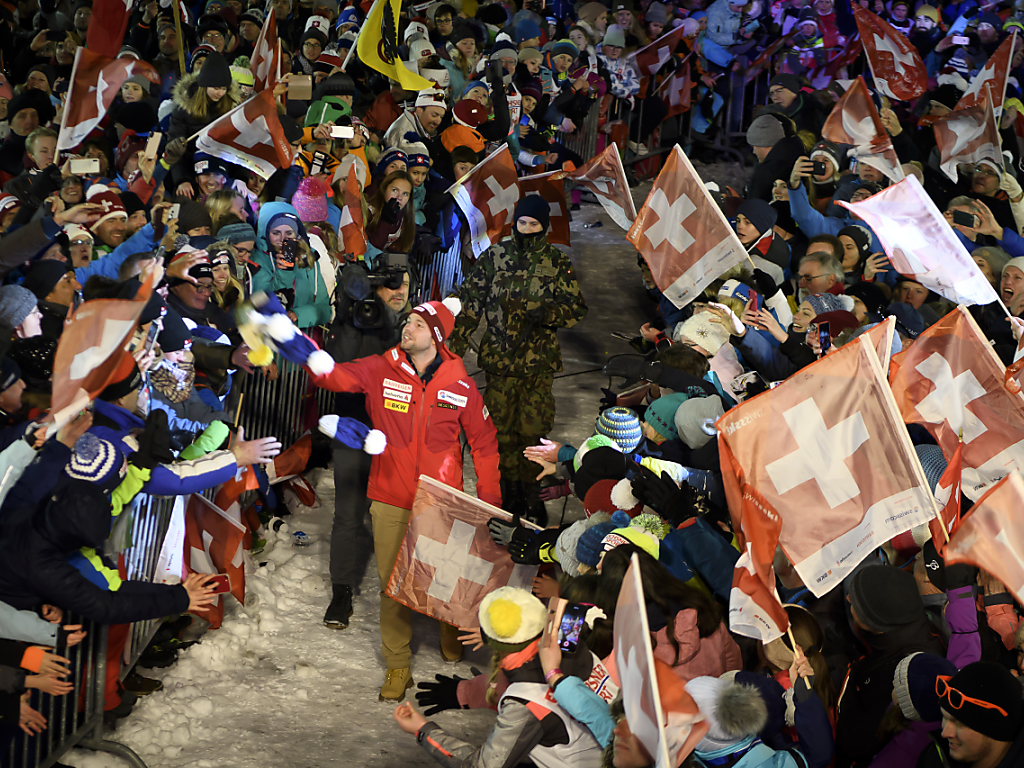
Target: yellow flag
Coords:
[(377, 46)]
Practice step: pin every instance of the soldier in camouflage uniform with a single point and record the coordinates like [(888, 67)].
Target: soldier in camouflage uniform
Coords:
[(524, 288)]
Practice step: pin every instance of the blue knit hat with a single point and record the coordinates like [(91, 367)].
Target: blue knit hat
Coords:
[(588, 546), (661, 414), (622, 425), (913, 683), (564, 46), (527, 29), (98, 461), (388, 157), (932, 462), (353, 433)]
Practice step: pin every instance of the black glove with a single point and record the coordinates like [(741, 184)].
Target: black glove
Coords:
[(765, 285), (439, 696), (154, 442), (427, 244), (661, 494), (529, 547), (391, 211), (609, 400), (501, 530), (632, 368), (535, 316)]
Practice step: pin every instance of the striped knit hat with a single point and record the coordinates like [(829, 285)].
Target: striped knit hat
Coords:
[(98, 461), (622, 425)]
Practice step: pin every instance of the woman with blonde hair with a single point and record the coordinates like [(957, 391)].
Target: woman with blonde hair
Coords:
[(224, 207), (227, 290)]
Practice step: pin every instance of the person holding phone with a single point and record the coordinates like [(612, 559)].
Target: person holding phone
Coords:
[(288, 266)]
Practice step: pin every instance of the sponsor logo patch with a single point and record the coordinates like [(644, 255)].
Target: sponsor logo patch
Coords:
[(391, 405), (450, 397), (397, 385), (448, 405), (391, 394), (487, 414), (408, 369)]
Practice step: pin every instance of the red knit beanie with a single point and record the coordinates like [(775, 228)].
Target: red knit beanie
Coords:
[(440, 316)]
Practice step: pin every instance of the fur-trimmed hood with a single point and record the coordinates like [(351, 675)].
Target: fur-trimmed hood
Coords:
[(189, 96)]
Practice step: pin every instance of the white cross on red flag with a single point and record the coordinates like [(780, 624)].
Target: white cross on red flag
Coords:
[(991, 535), (661, 714), (653, 56), (967, 136), (107, 27), (552, 189), (213, 544), (951, 382), (993, 75), (921, 244), (829, 455), (895, 63), (677, 90), (249, 135), (447, 563), (854, 120), (353, 236), (95, 81), (681, 233), (487, 196), (266, 57), (604, 176), (91, 352)]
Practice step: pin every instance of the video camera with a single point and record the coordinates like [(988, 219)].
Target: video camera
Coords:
[(366, 310)]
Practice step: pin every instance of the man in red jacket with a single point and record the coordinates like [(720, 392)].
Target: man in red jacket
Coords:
[(421, 397)]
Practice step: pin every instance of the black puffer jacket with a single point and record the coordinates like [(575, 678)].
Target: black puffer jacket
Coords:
[(34, 565)]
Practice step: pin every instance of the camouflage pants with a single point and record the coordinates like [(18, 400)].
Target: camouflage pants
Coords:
[(523, 411)]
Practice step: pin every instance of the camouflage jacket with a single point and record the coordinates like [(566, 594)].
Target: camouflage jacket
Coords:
[(523, 297)]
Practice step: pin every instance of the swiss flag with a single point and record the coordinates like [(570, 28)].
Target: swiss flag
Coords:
[(661, 714), (854, 120), (353, 235), (1012, 381), (652, 57), (291, 461), (213, 544), (764, 59), (831, 458), (682, 234), (921, 244), (992, 77), (266, 57), (991, 535), (448, 563), (107, 28), (966, 136), (249, 135), (754, 608), (95, 81), (679, 90), (487, 196), (951, 382), (604, 176), (947, 494), (91, 352), (553, 190), (895, 63), (228, 496), (844, 58)]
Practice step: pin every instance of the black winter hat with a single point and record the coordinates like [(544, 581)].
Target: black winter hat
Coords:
[(193, 214), (35, 99), (338, 84), (123, 386), (993, 684), (132, 202), (759, 213), (885, 598), (215, 72), (872, 296), (10, 372), (603, 463), (43, 276), (292, 130), (787, 81), (138, 116), (861, 238), (534, 206), (175, 333)]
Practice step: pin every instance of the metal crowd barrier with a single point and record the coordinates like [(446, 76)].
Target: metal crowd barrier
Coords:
[(285, 408), (583, 141)]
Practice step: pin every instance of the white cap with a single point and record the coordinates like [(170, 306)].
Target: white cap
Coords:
[(416, 28), (431, 97)]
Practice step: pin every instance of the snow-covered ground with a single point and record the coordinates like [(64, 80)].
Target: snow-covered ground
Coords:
[(275, 687)]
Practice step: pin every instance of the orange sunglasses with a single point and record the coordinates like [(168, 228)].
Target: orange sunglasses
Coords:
[(957, 698)]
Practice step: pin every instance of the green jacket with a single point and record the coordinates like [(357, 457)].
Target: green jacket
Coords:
[(523, 297)]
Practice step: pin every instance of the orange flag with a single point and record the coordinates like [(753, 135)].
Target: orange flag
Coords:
[(991, 535)]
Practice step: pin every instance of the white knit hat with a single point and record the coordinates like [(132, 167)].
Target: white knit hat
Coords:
[(703, 332)]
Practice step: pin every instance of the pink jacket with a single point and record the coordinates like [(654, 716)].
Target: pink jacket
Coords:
[(698, 656)]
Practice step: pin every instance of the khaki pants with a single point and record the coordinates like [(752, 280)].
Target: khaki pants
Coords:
[(389, 524)]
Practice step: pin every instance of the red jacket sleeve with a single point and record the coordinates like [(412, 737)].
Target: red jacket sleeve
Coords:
[(356, 376), (483, 444)]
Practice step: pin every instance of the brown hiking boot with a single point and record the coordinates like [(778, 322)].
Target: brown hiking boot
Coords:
[(451, 646), (396, 683)]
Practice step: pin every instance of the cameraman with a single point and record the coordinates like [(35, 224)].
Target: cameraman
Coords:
[(371, 308)]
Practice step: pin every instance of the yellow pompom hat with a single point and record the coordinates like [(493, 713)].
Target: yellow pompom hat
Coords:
[(512, 618)]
